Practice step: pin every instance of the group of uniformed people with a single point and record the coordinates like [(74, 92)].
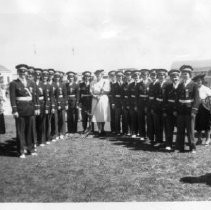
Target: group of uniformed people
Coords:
[(143, 103), (151, 103), (40, 100)]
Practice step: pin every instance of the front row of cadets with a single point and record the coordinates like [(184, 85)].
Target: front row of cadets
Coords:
[(40, 99), (150, 106)]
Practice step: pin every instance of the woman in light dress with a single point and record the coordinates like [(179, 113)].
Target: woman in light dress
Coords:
[(203, 117), (99, 89)]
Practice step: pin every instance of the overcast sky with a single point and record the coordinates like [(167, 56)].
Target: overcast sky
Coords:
[(83, 35)]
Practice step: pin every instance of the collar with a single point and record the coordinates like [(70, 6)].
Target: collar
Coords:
[(175, 85), (187, 82)]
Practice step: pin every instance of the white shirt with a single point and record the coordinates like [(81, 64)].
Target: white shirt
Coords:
[(204, 92), (175, 85)]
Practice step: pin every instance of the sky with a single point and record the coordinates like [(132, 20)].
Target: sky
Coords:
[(79, 35)]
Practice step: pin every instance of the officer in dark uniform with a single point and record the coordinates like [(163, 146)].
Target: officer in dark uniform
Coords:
[(117, 95), (22, 97), (40, 124), (62, 103), (151, 101), (112, 78), (85, 99), (170, 106), (158, 106), (133, 99), (143, 91), (126, 121), (73, 102), (188, 103), (49, 105), (53, 117)]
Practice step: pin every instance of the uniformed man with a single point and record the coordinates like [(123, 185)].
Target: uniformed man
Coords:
[(188, 102), (40, 124), (85, 99), (73, 102), (112, 78), (53, 117), (22, 97), (62, 104), (170, 106), (158, 106), (117, 105), (133, 99), (151, 101), (49, 106), (126, 120), (143, 91)]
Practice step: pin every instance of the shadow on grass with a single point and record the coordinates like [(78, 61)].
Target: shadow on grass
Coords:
[(8, 148), (206, 179)]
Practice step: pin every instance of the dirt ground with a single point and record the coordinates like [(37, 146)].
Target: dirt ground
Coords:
[(109, 169)]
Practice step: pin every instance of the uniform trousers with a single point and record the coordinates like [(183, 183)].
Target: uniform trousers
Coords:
[(40, 128), (34, 130), (160, 126), (126, 121), (53, 121), (150, 126), (24, 128), (112, 123), (118, 113), (61, 122), (171, 122), (72, 120), (142, 121), (134, 120), (85, 116), (185, 122)]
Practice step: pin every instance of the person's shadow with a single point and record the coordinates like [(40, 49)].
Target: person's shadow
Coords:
[(8, 148), (206, 179)]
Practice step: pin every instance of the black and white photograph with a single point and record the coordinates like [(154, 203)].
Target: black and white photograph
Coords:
[(105, 103)]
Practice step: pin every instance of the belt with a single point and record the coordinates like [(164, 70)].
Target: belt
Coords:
[(186, 101), (71, 96), (125, 96), (143, 96), (26, 98), (85, 95), (133, 96), (41, 97), (118, 96), (171, 100), (60, 96), (159, 99), (151, 98)]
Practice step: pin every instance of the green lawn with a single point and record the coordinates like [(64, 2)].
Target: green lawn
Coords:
[(93, 169)]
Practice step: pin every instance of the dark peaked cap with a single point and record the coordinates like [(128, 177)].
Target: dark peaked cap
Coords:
[(199, 76)]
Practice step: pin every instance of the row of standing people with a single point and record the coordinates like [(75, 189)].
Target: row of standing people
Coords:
[(150, 106), (40, 100)]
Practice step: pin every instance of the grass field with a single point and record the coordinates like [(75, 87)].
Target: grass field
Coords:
[(110, 169)]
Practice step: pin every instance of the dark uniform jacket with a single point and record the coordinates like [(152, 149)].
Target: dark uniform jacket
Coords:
[(171, 99), (143, 94), (133, 94), (18, 92), (125, 95), (85, 97), (72, 94), (40, 96), (159, 91), (151, 95), (188, 98), (111, 91), (60, 96), (117, 95), (49, 100)]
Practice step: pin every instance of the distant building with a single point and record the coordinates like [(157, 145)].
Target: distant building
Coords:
[(6, 75), (199, 66)]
